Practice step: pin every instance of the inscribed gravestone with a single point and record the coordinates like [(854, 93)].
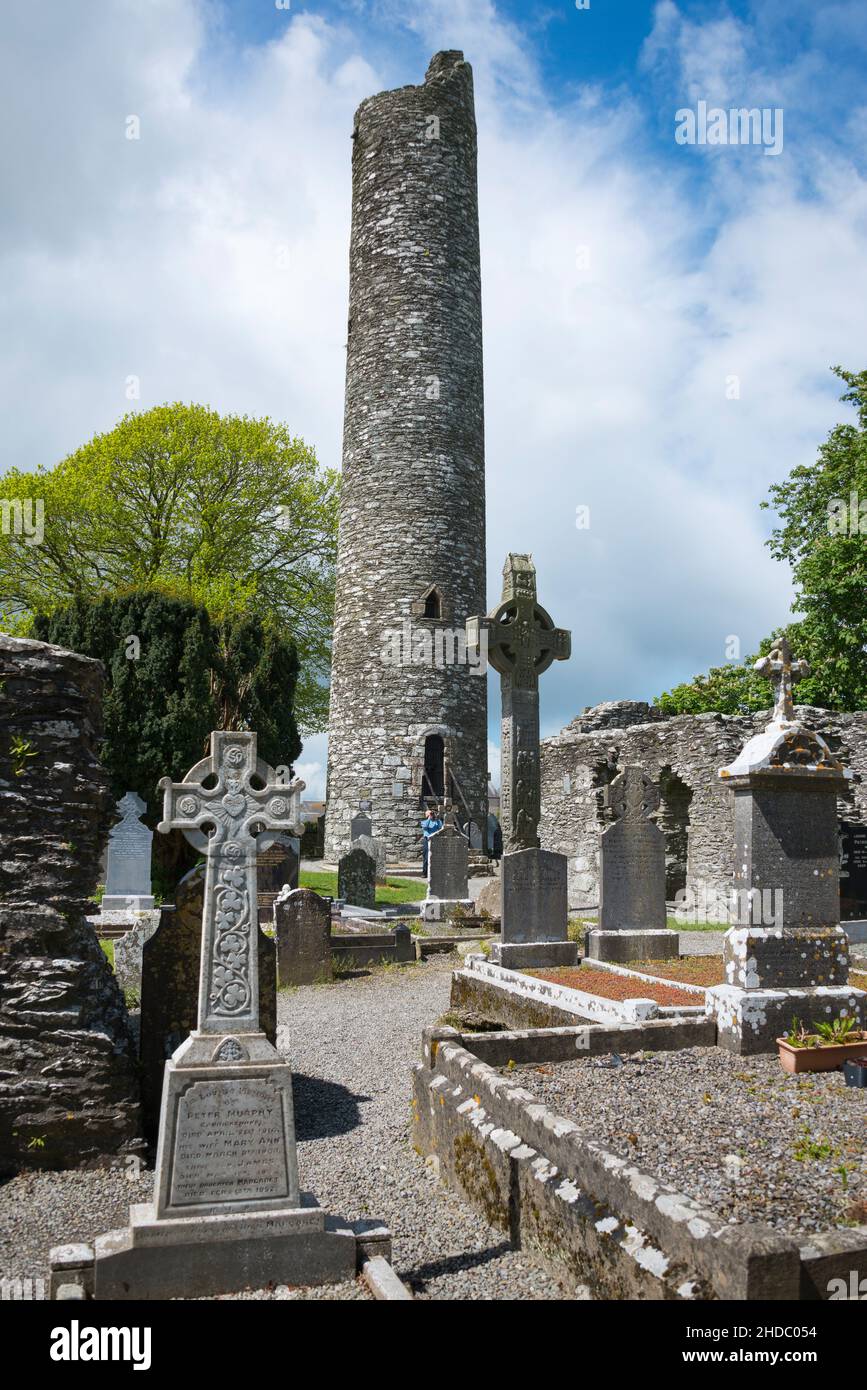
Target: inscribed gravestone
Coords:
[(302, 924), (853, 871), (631, 858), (128, 868), (170, 988), (356, 879), (534, 898), (276, 866), (360, 825), (447, 864)]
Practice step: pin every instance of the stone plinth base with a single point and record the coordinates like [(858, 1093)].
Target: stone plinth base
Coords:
[(786, 957), (632, 945), (131, 903), (200, 1257), (530, 955), (750, 1020), (443, 909)]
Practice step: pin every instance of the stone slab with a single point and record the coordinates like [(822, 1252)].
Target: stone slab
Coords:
[(632, 945), (302, 926), (276, 867), (631, 859), (766, 958), (534, 896), (531, 955), (447, 867), (356, 879), (128, 951)]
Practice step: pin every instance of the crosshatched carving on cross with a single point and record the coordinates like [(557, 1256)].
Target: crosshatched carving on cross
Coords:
[(782, 672), (225, 806), (522, 642)]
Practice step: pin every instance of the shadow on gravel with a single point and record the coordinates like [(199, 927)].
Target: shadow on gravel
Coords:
[(322, 1108), (418, 1278)]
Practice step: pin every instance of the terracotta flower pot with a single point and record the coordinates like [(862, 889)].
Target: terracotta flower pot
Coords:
[(823, 1058)]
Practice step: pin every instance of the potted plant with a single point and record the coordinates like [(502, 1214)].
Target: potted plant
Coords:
[(828, 1046)]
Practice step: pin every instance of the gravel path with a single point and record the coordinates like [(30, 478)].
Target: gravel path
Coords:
[(738, 1133), (351, 1045)]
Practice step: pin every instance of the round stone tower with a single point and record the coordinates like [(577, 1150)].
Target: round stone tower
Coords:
[(408, 716)]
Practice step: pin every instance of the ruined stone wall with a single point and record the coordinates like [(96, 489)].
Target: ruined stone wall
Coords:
[(682, 754), (413, 491), (68, 1092)]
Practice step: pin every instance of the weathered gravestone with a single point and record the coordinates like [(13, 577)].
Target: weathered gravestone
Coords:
[(446, 875), (787, 957), (360, 825), (376, 850), (128, 869), (171, 960), (276, 866), (356, 879), (853, 871), (522, 642), (302, 925), (632, 912), (226, 1211)]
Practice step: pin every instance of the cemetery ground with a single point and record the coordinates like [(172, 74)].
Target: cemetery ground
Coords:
[(352, 1103)]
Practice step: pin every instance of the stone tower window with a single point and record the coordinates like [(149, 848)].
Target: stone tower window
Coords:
[(433, 778), (430, 604)]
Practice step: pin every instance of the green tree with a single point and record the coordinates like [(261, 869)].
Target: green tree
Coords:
[(227, 512), (172, 675), (823, 535)]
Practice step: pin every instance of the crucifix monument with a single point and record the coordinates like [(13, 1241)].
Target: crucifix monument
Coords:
[(226, 1212), (786, 956), (522, 642)]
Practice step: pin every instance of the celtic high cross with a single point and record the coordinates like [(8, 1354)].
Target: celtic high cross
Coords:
[(782, 672), (222, 805), (522, 643)]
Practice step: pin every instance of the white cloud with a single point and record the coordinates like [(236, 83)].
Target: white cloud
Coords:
[(209, 258)]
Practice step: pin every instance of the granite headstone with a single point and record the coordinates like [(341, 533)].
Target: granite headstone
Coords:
[(376, 850), (302, 927)]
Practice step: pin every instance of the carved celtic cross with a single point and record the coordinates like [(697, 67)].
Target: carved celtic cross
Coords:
[(782, 672), (223, 804), (522, 643)]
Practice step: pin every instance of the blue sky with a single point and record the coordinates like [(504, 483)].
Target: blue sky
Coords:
[(627, 280)]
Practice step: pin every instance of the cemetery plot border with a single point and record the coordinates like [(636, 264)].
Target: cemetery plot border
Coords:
[(589, 1217)]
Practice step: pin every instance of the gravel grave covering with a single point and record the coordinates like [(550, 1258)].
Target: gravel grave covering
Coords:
[(607, 985), (736, 1133), (351, 1045)]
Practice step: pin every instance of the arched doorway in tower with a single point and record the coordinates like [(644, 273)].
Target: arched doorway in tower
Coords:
[(433, 777)]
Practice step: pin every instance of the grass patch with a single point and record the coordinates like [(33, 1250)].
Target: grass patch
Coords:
[(674, 924), (394, 890), (108, 948)]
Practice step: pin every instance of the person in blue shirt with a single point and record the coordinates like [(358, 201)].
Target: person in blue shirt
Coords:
[(429, 826)]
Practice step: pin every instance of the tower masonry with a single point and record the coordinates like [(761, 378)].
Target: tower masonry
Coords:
[(408, 715)]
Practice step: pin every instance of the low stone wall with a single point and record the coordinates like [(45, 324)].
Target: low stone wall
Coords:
[(682, 754), (68, 1089), (593, 1220)]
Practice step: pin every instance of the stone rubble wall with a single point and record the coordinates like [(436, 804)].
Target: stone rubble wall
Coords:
[(68, 1089), (413, 490), (681, 753)]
